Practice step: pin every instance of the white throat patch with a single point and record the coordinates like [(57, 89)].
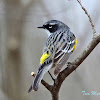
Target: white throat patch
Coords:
[(48, 33)]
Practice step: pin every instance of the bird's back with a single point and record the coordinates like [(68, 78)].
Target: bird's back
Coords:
[(59, 45)]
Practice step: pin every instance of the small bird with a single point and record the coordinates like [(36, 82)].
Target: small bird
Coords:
[(57, 49)]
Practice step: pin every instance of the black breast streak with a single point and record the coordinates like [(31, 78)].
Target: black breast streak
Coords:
[(55, 38), (61, 37), (50, 38)]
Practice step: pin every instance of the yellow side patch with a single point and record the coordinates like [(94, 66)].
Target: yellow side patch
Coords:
[(43, 58), (75, 44)]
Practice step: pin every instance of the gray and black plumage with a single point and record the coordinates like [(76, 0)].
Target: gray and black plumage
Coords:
[(57, 49)]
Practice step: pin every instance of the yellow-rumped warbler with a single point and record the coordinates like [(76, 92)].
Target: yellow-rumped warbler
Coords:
[(57, 49)]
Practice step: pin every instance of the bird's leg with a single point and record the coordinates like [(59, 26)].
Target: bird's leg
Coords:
[(51, 76)]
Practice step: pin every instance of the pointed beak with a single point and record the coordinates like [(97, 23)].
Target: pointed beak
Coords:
[(41, 27)]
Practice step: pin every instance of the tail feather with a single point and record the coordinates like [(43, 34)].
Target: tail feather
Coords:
[(38, 79), (40, 75), (30, 89)]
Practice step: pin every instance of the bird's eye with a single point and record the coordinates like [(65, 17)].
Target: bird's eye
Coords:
[(50, 26)]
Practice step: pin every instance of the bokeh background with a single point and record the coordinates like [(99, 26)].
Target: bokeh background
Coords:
[(21, 46)]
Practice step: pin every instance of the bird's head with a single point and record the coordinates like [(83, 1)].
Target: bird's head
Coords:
[(53, 25)]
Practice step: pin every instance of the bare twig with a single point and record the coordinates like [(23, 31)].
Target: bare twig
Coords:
[(93, 27), (49, 87), (62, 75)]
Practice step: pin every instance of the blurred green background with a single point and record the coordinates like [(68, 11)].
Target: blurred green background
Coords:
[(21, 46)]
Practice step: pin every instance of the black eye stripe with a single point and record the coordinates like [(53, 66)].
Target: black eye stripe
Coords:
[(51, 27)]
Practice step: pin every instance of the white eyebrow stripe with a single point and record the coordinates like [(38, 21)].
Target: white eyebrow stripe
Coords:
[(52, 24)]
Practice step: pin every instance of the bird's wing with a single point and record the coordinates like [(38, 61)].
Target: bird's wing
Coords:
[(63, 52)]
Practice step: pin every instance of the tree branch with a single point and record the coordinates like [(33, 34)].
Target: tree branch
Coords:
[(93, 27), (73, 65), (49, 87)]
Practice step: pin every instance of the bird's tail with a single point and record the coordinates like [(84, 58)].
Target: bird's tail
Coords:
[(39, 77), (30, 89), (37, 81)]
